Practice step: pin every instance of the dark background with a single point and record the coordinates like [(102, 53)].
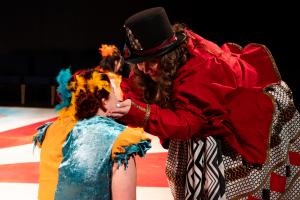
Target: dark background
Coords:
[(38, 32)]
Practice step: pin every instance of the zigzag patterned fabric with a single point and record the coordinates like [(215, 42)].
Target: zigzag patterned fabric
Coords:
[(209, 169), (205, 177)]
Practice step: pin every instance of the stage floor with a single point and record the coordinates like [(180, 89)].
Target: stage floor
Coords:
[(19, 163)]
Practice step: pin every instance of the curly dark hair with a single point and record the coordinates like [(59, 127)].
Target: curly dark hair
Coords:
[(88, 103), (159, 92)]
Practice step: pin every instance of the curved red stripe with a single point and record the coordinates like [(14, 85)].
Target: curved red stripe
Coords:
[(150, 171), (20, 173), (20, 136)]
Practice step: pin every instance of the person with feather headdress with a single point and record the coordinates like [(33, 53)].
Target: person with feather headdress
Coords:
[(85, 154)]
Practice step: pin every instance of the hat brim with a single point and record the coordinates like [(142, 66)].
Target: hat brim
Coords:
[(134, 58)]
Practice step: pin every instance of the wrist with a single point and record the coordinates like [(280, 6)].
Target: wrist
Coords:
[(138, 114)]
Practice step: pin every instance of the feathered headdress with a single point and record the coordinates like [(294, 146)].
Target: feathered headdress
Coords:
[(63, 91), (107, 50), (69, 89)]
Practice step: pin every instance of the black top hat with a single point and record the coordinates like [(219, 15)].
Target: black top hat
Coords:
[(149, 34)]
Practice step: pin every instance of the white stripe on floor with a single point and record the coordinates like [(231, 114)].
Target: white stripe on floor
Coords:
[(14, 117), (153, 193), (28, 191), (19, 154), (18, 191)]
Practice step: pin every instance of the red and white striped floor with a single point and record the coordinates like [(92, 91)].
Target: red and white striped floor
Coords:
[(19, 164)]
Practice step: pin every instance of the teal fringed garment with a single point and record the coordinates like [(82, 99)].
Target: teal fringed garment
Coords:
[(85, 170)]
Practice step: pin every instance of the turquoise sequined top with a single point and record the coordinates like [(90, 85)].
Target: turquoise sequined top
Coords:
[(85, 170)]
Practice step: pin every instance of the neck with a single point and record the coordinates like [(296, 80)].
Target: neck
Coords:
[(101, 113)]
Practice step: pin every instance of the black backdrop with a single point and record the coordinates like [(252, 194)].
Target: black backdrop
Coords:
[(70, 26)]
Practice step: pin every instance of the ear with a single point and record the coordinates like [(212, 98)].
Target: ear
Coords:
[(104, 101)]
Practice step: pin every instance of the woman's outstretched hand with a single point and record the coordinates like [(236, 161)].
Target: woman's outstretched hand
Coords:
[(121, 109)]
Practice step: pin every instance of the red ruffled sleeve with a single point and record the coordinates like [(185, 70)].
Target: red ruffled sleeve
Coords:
[(181, 123)]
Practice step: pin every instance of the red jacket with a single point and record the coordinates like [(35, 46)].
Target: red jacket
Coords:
[(219, 91)]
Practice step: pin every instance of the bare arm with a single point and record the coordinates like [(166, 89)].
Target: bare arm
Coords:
[(124, 181)]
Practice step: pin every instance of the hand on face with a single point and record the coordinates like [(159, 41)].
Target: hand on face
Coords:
[(109, 104), (120, 109)]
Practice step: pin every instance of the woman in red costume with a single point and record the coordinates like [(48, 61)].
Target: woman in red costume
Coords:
[(224, 113)]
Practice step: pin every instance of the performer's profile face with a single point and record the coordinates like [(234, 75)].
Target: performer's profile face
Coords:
[(150, 67)]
